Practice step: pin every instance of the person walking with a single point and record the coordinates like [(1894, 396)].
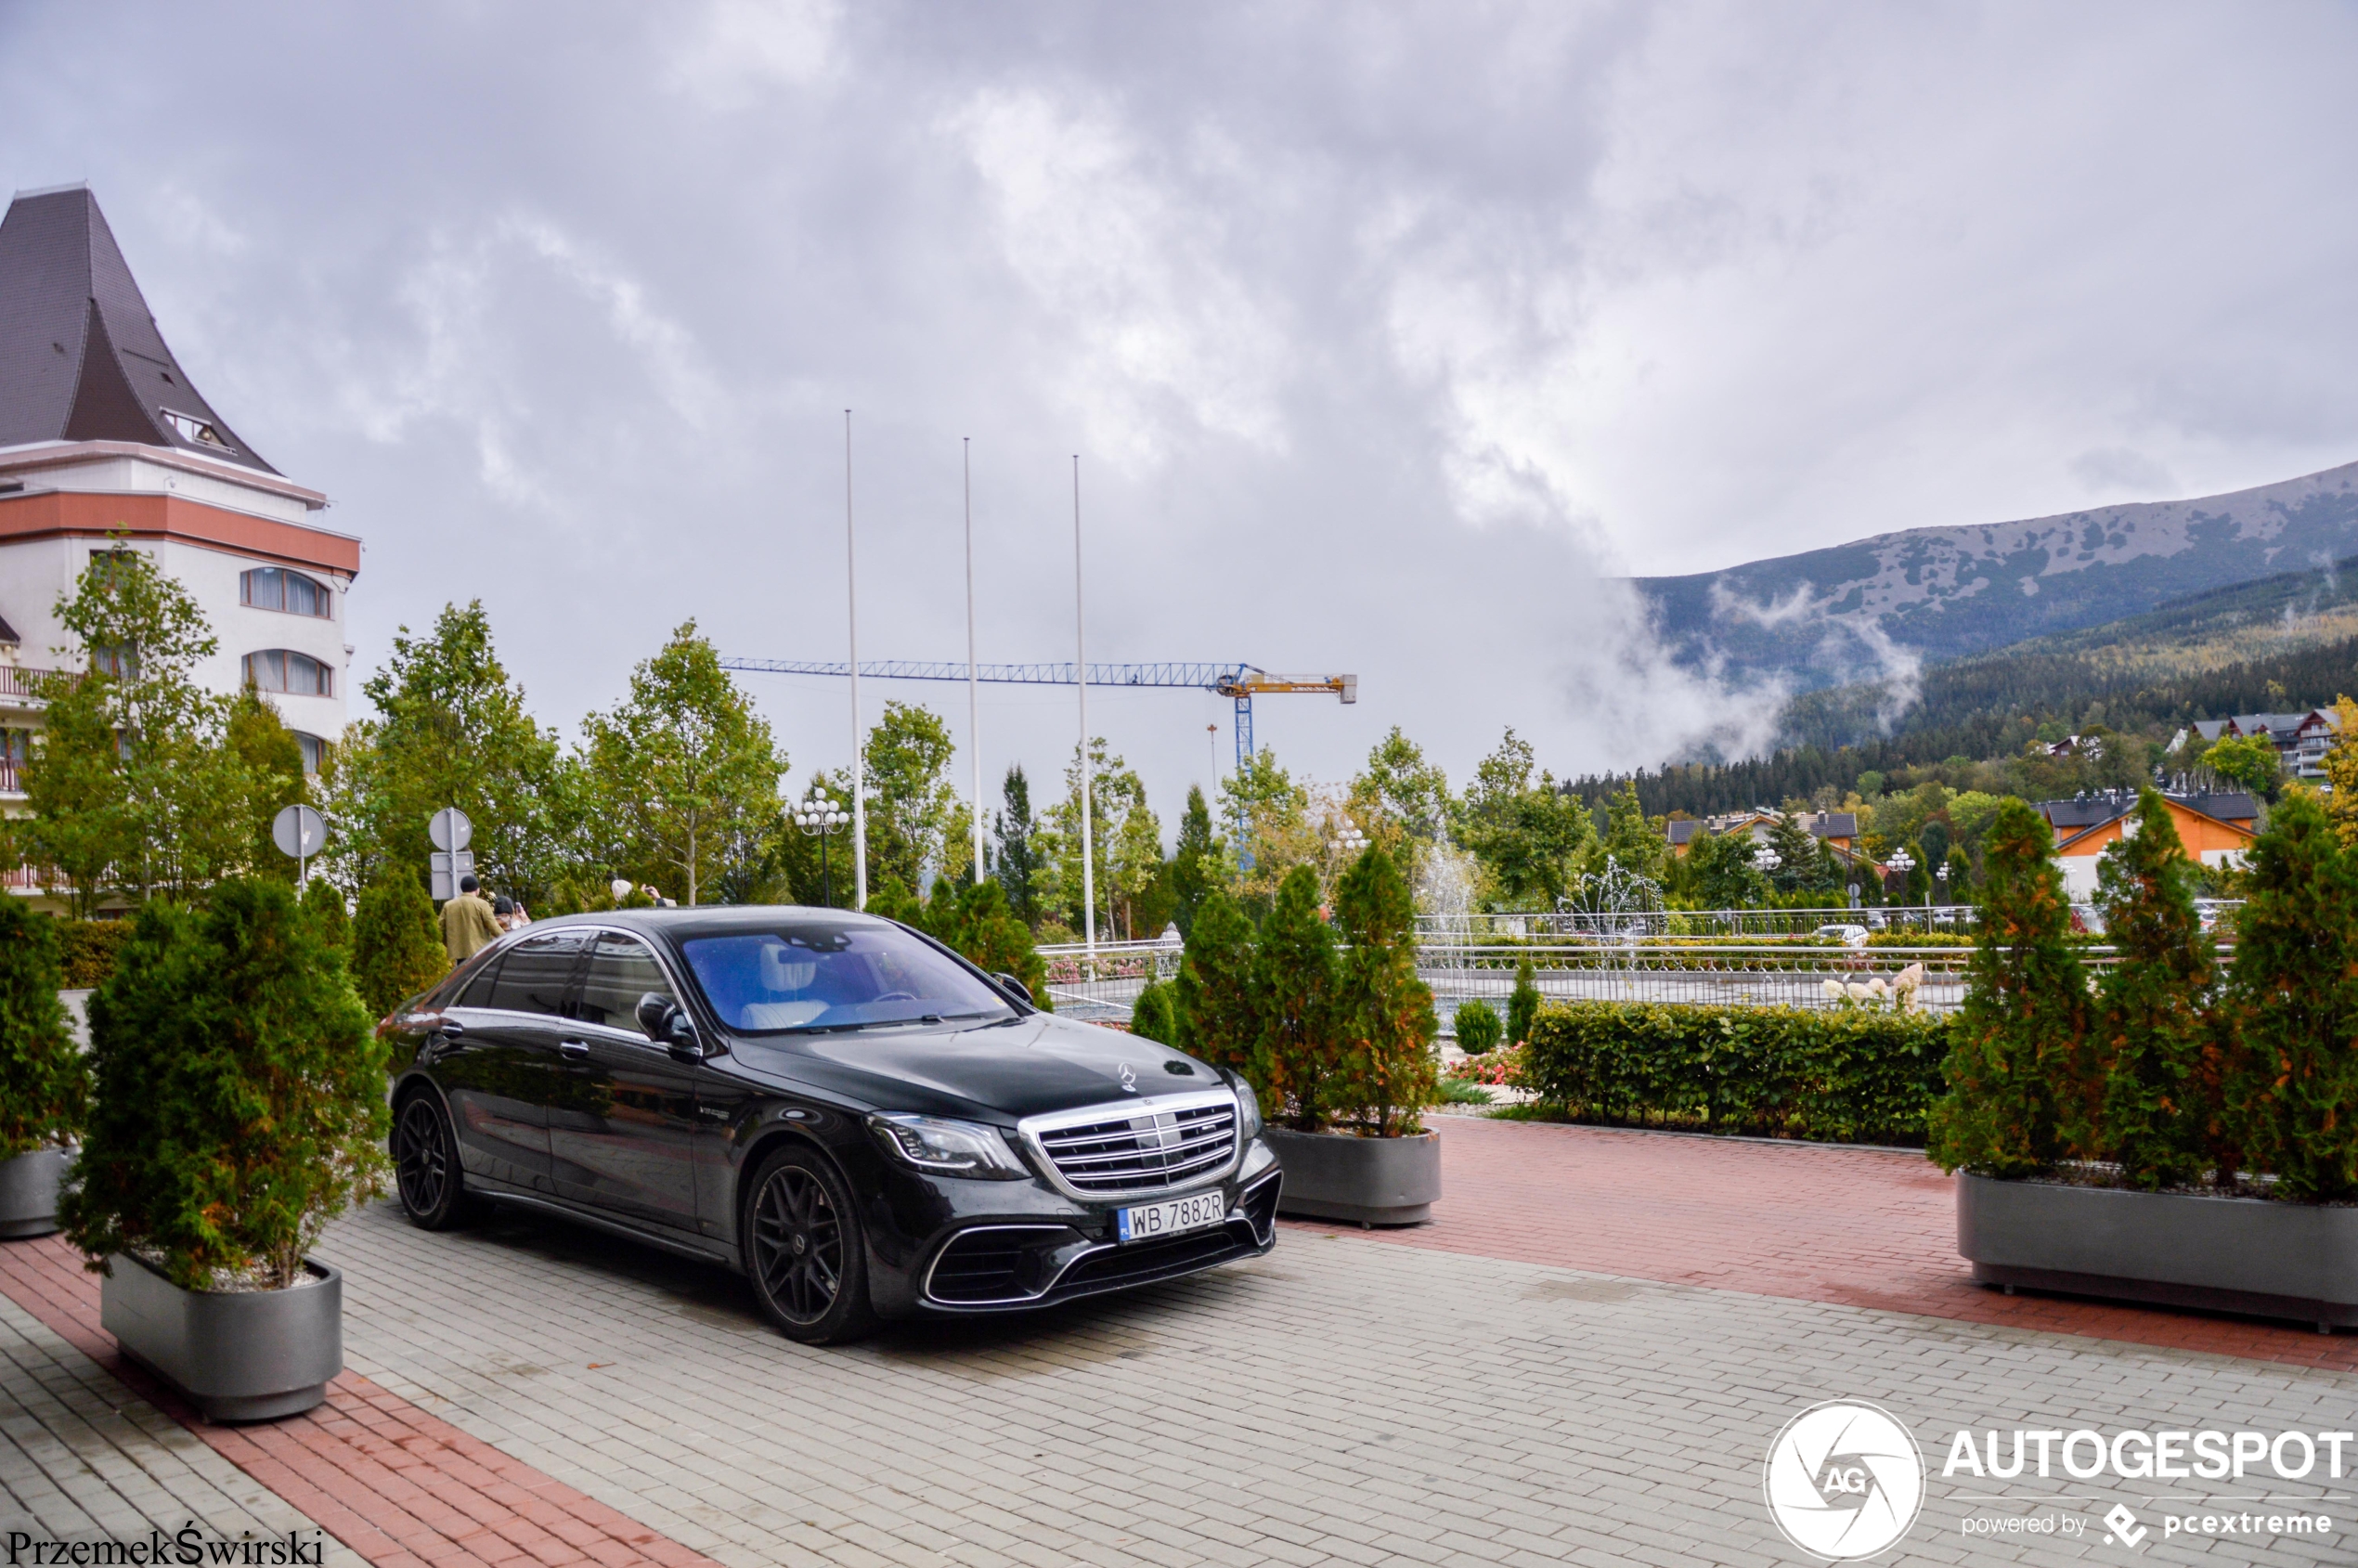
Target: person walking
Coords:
[(468, 922)]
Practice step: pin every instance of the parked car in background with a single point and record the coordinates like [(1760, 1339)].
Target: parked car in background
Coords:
[(1848, 935), (854, 1117)]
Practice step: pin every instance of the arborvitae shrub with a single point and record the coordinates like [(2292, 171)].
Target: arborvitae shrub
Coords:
[(241, 1093), (87, 948), (1478, 1028), (397, 947), (45, 1083), (1215, 1015), (976, 922), (1154, 1015), (1523, 1005), (2017, 1076), (2151, 1022), (1293, 999), (2292, 1075), (323, 901), (1382, 1013)]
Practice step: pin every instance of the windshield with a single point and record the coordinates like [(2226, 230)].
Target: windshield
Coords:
[(820, 977)]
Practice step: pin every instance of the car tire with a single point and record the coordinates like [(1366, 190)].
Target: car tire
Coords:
[(426, 1174), (804, 1250)]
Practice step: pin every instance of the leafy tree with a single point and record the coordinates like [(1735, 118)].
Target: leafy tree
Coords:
[(2016, 1083), (1196, 864), (45, 1083), (1277, 831), (2293, 999), (1402, 801), (2151, 1017), (1381, 1012), (1124, 837), (2341, 774), (687, 773), (129, 780), (1478, 1028), (1523, 1005), (241, 1093), (454, 731), (1154, 1015), (396, 948), (272, 760), (913, 816), (1016, 863), (1293, 1000), (1527, 833), (1632, 839), (1721, 870), (1216, 1011)]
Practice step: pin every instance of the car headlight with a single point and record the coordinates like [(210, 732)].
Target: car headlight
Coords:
[(1248, 1112), (943, 1148)]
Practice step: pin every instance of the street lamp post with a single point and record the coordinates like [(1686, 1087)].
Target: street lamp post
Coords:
[(1941, 876), (822, 818), (1903, 862), (1348, 840)]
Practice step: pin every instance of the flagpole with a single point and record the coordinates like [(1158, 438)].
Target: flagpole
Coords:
[(973, 678), (859, 741), (1080, 686)]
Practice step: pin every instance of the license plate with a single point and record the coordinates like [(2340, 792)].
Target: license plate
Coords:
[(1172, 1216)]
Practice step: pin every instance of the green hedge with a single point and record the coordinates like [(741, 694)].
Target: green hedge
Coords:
[(1844, 1075), (88, 948)]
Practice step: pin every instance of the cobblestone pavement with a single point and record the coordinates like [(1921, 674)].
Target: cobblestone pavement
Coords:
[(1346, 1400), (1354, 1398)]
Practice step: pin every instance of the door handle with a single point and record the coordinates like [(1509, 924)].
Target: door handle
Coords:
[(573, 1049)]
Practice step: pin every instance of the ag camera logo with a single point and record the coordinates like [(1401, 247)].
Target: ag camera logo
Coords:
[(1844, 1481)]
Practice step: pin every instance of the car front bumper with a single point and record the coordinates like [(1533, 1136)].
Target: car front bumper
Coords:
[(1000, 1246)]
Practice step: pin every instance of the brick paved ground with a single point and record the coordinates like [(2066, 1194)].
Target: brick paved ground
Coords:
[(1354, 1398)]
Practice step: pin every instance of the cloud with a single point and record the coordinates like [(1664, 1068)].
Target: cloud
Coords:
[(2122, 473)]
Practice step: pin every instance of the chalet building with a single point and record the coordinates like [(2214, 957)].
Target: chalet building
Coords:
[(106, 444), (1838, 831), (2302, 739), (2215, 829)]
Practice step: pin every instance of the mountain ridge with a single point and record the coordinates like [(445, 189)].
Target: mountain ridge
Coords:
[(1883, 605)]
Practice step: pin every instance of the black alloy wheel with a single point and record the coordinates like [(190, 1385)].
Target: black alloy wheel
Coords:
[(425, 1165), (803, 1249)]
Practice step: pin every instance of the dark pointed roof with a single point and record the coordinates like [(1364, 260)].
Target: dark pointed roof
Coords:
[(80, 356)]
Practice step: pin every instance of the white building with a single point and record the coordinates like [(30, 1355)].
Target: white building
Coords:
[(105, 444)]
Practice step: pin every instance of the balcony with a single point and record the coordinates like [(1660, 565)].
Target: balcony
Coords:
[(21, 684)]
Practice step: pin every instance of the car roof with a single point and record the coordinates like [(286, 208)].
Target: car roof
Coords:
[(712, 919)]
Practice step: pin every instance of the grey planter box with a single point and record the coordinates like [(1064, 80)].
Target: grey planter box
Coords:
[(240, 1355), (2297, 1261), (1367, 1181), (29, 1191)]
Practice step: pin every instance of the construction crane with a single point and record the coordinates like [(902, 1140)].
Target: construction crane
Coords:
[(1240, 681)]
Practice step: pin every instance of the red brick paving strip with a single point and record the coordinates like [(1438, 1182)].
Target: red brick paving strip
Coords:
[(1856, 1227), (380, 1475)]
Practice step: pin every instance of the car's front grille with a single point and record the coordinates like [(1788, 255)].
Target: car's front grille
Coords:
[(1152, 1150)]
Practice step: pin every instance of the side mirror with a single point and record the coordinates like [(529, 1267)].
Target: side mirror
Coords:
[(653, 1013), (1009, 982)]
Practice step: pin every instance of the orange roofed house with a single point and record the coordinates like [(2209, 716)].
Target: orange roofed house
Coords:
[(2215, 830)]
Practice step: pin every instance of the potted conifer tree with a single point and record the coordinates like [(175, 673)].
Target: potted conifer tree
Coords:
[(2171, 1139), (43, 1080), (1345, 1049), (240, 1104)]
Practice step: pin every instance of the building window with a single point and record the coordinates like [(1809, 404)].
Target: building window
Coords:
[(194, 431), (315, 750), (282, 669), (275, 588)]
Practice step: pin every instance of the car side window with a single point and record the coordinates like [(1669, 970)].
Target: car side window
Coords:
[(533, 974), (621, 971), (478, 992)]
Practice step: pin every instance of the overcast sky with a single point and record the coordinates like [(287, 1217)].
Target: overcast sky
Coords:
[(1387, 336)]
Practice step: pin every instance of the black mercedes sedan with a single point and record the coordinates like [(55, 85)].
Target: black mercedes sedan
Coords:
[(861, 1122)]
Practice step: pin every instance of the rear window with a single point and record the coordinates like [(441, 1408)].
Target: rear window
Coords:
[(808, 977)]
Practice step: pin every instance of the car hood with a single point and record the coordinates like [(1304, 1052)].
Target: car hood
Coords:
[(1037, 1064)]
